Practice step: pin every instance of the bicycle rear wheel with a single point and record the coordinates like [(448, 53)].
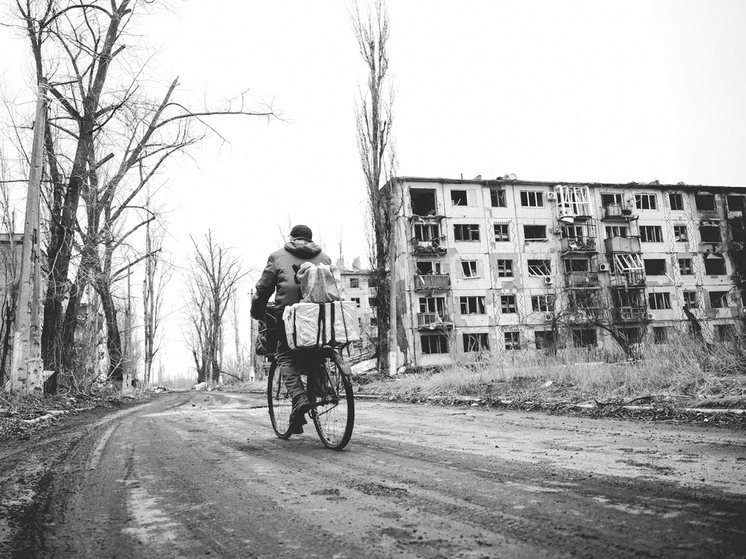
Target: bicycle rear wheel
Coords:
[(279, 401), (333, 409)]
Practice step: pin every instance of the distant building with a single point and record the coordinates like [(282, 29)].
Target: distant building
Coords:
[(499, 265), (357, 287)]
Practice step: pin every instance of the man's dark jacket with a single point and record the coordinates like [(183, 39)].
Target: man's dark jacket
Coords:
[(280, 273)]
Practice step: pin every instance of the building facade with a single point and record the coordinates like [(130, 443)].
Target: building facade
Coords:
[(486, 266)]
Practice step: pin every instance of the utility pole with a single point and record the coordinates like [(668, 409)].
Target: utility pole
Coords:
[(27, 369), (393, 336)]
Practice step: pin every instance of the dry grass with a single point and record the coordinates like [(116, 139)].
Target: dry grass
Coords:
[(683, 371)]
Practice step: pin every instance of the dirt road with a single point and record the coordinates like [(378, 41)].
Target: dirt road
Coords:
[(197, 474)]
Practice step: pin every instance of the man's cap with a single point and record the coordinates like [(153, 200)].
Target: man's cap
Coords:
[(301, 232)]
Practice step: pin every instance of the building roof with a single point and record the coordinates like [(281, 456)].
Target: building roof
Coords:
[(655, 185)]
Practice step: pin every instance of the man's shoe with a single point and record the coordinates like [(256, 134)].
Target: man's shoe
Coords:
[(298, 418)]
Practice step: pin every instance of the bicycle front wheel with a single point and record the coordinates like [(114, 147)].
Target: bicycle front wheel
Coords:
[(333, 409), (279, 401)]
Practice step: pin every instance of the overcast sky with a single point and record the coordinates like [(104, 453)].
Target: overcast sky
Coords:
[(549, 90)]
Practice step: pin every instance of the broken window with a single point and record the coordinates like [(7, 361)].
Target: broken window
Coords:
[(545, 339), (497, 198), (512, 340), (577, 265), (542, 303), (685, 266), (676, 201), (458, 198), (425, 267), (476, 342), (472, 305), (659, 301), (705, 202), (504, 268), (736, 202), (584, 337), (714, 265), (423, 201), (437, 343), (660, 334), (426, 231), (628, 263), (690, 300), (718, 299), (435, 305), (539, 268), (651, 233), (616, 231), (680, 234), (655, 266), (354, 283), (466, 232), (469, 268), (709, 232), (608, 199), (502, 232), (535, 232), (507, 304), (573, 201), (646, 202)]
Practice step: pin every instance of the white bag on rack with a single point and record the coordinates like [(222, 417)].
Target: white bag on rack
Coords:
[(315, 325)]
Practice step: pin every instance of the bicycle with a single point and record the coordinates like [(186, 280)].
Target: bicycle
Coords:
[(329, 391)]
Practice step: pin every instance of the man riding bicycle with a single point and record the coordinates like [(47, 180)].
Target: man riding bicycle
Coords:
[(279, 277)]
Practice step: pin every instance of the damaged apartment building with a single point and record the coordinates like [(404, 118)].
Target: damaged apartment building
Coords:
[(487, 266)]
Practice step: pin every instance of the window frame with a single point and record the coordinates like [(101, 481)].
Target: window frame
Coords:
[(657, 233), (472, 304), (442, 344), (677, 206), (685, 267), (539, 268), (459, 229), (528, 239), (646, 201), (473, 269), (659, 301), (503, 236), (542, 303), (508, 304), (498, 198), (475, 342), (532, 199), (512, 340), (504, 271), (456, 198), (680, 233)]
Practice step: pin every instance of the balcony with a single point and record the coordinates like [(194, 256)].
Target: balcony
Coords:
[(622, 244), (432, 282), (585, 315), (432, 246), (631, 313), (616, 212), (581, 280), (578, 244), (630, 279), (434, 321)]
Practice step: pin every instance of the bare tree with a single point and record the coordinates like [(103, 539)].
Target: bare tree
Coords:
[(106, 139), (9, 270), (212, 284), (374, 120), (157, 275)]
